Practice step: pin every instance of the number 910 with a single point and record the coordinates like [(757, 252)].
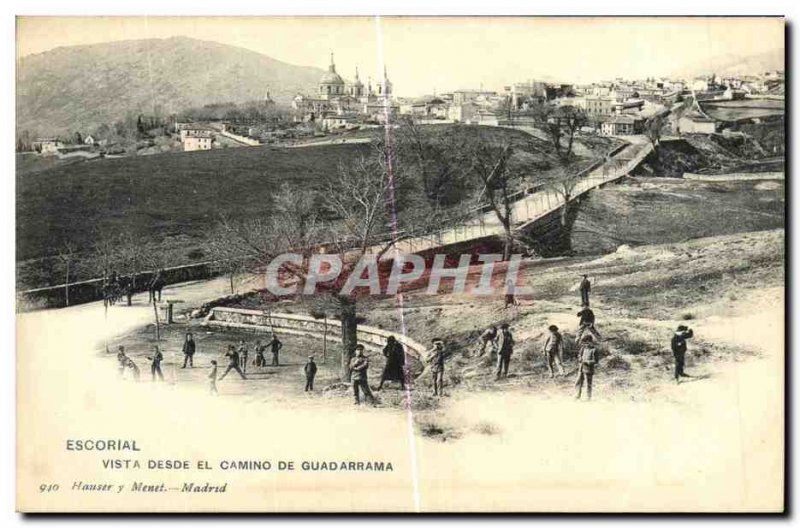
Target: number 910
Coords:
[(47, 488)]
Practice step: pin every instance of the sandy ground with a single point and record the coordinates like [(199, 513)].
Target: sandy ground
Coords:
[(713, 444)]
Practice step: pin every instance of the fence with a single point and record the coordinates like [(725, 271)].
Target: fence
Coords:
[(92, 289), (262, 322)]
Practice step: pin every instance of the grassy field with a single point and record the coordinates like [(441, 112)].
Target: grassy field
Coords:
[(160, 195), (657, 210)]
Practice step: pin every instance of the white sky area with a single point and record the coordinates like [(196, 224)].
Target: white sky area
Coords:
[(423, 54)]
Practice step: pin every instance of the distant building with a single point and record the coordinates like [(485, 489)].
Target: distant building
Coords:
[(621, 125), (598, 105), (333, 121), (694, 123), (48, 146), (481, 97), (89, 140), (337, 96), (483, 117), (462, 113), (196, 139)]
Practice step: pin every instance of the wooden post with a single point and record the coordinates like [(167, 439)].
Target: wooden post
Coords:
[(66, 284), (324, 338), (158, 325)]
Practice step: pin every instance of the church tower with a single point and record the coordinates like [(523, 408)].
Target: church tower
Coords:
[(385, 87)]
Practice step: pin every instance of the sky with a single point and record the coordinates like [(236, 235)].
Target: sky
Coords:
[(423, 55)]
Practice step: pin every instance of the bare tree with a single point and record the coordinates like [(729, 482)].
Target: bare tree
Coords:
[(67, 256), (491, 167), (561, 124), (133, 252), (437, 159), (652, 129), (366, 207)]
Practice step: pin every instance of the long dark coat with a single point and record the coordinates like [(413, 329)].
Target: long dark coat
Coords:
[(395, 360)]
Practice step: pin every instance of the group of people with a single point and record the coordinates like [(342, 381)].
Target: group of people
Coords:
[(500, 342), (237, 359), (116, 286), (586, 338)]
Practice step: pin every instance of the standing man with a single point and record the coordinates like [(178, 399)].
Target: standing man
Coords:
[(233, 362), (243, 353), (310, 370), (678, 345), (358, 369), (436, 359), (586, 288), (587, 358), (261, 361), (276, 346), (511, 296), (212, 377), (394, 370), (155, 367), (188, 350), (586, 323), (488, 336), (505, 348), (554, 351)]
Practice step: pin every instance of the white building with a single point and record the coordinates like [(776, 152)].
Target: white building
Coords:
[(196, 139), (48, 146)]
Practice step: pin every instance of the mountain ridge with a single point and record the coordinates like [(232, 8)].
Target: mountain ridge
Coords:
[(73, 88)]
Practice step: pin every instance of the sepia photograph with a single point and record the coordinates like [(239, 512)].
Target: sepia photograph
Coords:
[(400, 264)]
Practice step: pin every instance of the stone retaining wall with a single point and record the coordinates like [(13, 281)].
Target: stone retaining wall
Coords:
[(282, 323), (735, 176)]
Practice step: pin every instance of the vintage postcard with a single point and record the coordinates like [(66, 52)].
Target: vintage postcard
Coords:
[(400, 264)]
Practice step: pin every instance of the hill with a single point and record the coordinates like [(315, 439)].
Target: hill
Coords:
[(732, 65), (79, 87)]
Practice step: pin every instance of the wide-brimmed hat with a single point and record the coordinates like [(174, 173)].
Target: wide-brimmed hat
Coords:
[(553, 328)]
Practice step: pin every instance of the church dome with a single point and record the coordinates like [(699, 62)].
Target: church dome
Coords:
[(331, 77)]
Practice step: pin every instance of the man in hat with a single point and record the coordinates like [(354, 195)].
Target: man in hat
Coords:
[(260, 360), (276, 347), (233, 362), (243, 353), (359, 365), (586, 288), (310, 370), (489, 336), (189, 347), (587, 358), (586, 323), (678, 345), (436, 359), (554, 351), (394, 370), (505, 347), (155, 363)]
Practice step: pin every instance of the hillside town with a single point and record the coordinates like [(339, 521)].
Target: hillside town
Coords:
[(340, 107)]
